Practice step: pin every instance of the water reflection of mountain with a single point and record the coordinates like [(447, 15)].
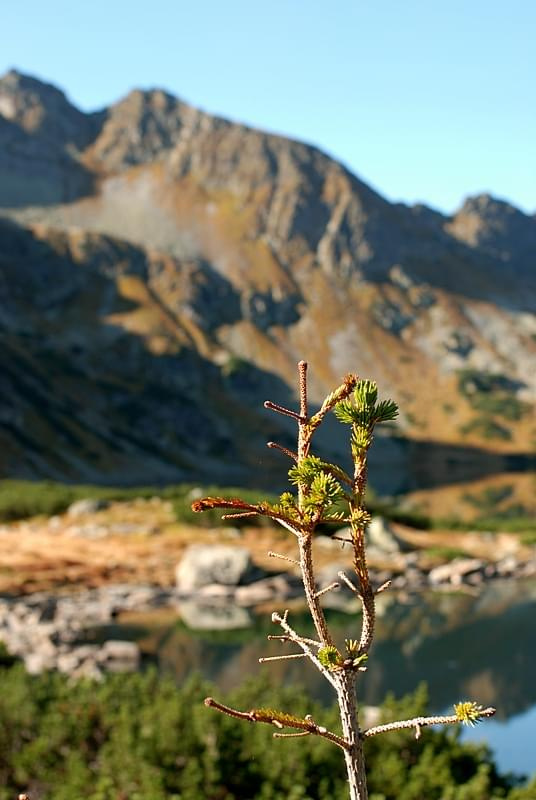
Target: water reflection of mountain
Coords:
[(464, 647), (481, 647), (399, 465)]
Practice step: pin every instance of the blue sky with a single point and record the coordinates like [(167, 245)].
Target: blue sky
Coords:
[(426, 100)]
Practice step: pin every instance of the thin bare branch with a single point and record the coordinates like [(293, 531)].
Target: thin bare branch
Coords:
[(302, 380), (383, 587), (279, 719), (286, 638), (348, 582), (282, 410), (334, 585), (340, 393), (422, 722), (282, 658), (294, 637), (288, 525), (240, 515), (231, 712), (341, 539), (243, 509), (285, 558), (290, 453)]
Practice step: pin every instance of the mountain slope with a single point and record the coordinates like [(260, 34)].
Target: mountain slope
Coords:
[(232, 249)]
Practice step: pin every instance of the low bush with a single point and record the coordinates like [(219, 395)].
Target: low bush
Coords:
[(139, 737)]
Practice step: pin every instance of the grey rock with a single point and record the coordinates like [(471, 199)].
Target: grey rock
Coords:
[(217, 590), (507, 566), (205, 564), (456, 572), (119, 651), (70, 661), (381, 537), (37, 662), (86, 506), (277, 587), (200, 615)]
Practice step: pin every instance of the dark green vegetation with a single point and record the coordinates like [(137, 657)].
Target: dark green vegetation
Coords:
[(20, 499), (492, 393), (138, 737), (493, 397), (487, 428)]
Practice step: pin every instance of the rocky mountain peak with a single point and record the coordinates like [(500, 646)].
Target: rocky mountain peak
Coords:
[(501, 230), (141, 127), (193, 251), (42, 109)]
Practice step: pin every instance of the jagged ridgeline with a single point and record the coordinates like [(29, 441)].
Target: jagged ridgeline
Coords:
[(162, 270)]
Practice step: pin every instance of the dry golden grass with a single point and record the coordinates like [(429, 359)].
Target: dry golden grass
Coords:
[(140, 542)]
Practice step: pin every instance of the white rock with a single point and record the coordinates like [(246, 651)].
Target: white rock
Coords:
[(86, 506), (201, 616), (455, 571), (204, 564)]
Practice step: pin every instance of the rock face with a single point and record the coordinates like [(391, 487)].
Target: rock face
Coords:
[(162, 270)]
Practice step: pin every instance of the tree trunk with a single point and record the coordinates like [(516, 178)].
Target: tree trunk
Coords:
[(354, 757)]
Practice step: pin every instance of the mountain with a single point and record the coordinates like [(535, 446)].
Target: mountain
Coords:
[(162, 271)]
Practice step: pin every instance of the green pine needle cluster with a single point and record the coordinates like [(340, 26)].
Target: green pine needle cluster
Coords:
[(322, 488), (362, 408), (363, 411), (468, 712), (329, 657)]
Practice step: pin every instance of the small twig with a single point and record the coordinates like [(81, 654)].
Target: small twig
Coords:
[(282, 658), (383, 587), (280, 720), (285, 558), (293, 636), (341, 393), (349, 583), (421, 722), (282, 410), (240, 515), (302, 380), (231, 712), (290, 453), (340, 539), (287, 525), (334, 585), (286, 638)]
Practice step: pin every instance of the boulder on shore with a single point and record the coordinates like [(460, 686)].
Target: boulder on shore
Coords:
[(203, 564)]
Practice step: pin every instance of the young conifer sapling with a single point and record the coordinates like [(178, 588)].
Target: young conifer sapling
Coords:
[(324, 492)]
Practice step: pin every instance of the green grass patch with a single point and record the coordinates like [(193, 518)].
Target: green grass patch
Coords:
[(21, 499), (446, 553)]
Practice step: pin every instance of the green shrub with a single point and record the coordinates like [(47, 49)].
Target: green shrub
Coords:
[(140, 737), (481, 387), (486, 428)]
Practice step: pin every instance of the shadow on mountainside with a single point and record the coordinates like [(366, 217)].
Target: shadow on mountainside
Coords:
[(90, 391)]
